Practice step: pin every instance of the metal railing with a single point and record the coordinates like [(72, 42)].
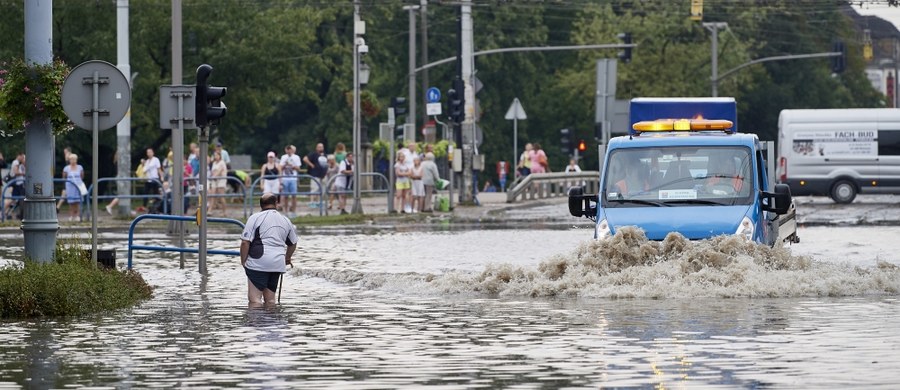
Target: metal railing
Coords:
[(248, 200), (132, 247), (551, 185), (372, 190), (242, 194), (161, 197)]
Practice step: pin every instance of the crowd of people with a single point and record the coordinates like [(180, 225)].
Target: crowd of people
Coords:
[(415, 178), (415, 171)]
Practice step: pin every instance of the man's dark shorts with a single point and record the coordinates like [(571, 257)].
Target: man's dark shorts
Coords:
[(263, 280)]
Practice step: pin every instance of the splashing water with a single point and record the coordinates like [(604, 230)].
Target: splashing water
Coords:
[(628, 265)]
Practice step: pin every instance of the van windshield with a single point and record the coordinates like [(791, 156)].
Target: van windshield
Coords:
[(678, 176)]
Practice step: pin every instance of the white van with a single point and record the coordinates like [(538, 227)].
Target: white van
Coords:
[(839, 152)]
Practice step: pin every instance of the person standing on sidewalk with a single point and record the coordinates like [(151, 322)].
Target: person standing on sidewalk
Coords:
[(430, 175), (267, 245), (290, 164), (317, 166), (153, 173), (74, 175)]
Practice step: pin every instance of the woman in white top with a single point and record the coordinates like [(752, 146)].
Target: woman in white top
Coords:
[(402, 184), (269, 172), (331, 170), (219, 173), (74, 175), (418, 186)]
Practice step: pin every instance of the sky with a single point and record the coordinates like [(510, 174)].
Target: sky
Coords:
[(891, 14)]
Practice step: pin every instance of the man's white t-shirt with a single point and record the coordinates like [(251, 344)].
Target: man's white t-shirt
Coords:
[(151, 168), (295, 161), (276, 233)]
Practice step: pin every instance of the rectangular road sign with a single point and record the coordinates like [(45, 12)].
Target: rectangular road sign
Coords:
[(168, 106), (433, 108)]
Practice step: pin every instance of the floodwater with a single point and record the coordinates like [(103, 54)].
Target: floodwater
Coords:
[(497, 308)]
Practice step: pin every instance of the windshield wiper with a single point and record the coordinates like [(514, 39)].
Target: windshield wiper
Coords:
[(638, 201), (696, 201)]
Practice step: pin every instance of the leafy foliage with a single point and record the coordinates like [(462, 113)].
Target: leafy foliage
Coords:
[(31, 92), (70, 285)]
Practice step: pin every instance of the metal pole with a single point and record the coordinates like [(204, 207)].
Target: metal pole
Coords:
[(176, 42), (202, 190), (423, 12), (515, 160), (95, 131), (40, 223), (177, 181), (357, 137), (714, 80), (392, 124), (411, 114), (123, 128), (467, 64)]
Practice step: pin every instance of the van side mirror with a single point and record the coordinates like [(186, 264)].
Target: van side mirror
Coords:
[(580, 203), (778, 202)]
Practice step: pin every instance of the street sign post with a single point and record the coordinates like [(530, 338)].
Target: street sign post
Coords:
[(94, 108), (177, 112), (516, 112), (433, 101)]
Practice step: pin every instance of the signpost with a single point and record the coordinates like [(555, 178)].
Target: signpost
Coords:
[(176, 112), (94, 108), (433, 99), (516, 112)]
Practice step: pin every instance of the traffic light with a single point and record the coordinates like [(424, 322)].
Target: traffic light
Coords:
[(208, 106), (456, 99), (565, 141), (625, 54), (837, 62), (399, 105), (582, 146)]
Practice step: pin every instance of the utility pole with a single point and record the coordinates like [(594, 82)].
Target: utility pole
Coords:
[(423, 12), (411, 115), (40, 223), (123, 128), (467, 60), (715, 27)]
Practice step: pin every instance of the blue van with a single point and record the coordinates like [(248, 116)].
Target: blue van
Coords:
[(694, 176)]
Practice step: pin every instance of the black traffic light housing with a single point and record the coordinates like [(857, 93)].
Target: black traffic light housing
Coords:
[(838, 63), (208, 107), (565, 141), (625, 54), (399, 105), (457, 101)]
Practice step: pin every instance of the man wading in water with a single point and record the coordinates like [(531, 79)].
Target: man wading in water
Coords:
[(267, 244)]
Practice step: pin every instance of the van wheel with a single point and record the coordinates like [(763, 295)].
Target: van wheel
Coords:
[(843, 191)]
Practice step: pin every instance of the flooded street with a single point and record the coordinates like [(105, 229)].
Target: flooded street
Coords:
[(497, 308)]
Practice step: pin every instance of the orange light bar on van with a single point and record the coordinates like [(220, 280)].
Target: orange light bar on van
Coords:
[(684, 125)]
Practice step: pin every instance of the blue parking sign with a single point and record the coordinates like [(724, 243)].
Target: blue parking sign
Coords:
[(433, 95)]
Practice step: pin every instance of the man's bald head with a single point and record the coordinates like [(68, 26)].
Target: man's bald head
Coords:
[(268, 200)]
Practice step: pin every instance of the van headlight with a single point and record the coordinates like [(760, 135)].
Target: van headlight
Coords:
[(745, 229), (601, 231)]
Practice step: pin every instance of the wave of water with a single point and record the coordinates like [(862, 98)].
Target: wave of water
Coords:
[(631, 266)]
